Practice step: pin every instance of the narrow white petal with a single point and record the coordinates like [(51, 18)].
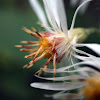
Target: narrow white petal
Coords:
[(81, 57), (95, 47), (63, 78), (62, 16), (89, 60), (67, 96), (59, 70), (82, 52), (56, 95), (39, 12), (80, 70), (72, 71), (58, 86), (50, 15), (95, 63), (55, 11), (75, 14)]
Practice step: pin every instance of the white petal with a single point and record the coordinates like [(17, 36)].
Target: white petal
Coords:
[(82, 52), (58, 86), (56, 95), (75, 14), (95, 47), (71, 71), (80, 70), (59, 70), (94, 61), (62, 16), (55, 11), (84, 58), (66, 96), (50, 14), (63, 78), (40, 13)]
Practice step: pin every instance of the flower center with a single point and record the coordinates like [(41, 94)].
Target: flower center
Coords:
[(50, 45), (46, 47)]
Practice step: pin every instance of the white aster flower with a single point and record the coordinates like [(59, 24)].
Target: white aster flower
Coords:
[(57, 41)]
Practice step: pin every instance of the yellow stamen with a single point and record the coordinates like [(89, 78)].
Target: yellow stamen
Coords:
[(27, 30), (24, 42), (26, 45), (37, 53), (36, 31), (30, 32), (54, 65), (38, 58), (29, 42), (30, 65), (25, 66), (18, 46), (27, 56), (28, 49), (45, 67)]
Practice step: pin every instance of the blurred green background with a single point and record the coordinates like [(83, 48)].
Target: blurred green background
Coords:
[(14, 14)]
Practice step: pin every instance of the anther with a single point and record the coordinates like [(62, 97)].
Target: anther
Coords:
[(36, 31), (27, 49), (54, 65), (29, 42), (30, 32), (27, 56)]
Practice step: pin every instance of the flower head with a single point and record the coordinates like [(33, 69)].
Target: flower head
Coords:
[(56, 42)]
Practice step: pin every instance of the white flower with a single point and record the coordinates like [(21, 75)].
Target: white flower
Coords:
[(63, 42), (57, 42)]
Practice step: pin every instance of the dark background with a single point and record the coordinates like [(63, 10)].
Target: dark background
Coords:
[(14, 14)]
